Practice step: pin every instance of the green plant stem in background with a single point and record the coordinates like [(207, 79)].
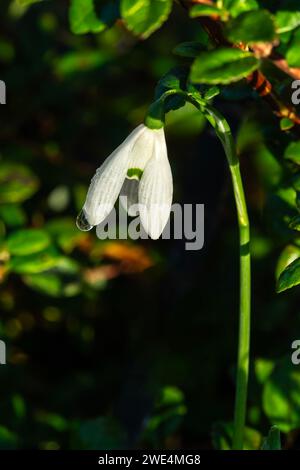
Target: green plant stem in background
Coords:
[(224, 133)]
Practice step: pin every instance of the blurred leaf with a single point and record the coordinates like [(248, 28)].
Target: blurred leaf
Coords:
[(296, 181), (260, 246), (12, 215), (85, 19), (79, 61), (102, 433), (281, 396), (295, 223), (7, 51), (222, 435), (8, 439), (27, 241), (290, 277), (28, 2), (293, 52), (143, 17), (286, 124), (189, 49), (222, 65), (35, 263), (287, 20), (280, 209), (60, 279), (53, 420), (47, 283), (236, 7), (292, 152), (272, 441), (66, 234), (204, 10), (168, 414), (19, 406), (17, 183), (66, 265), (251, 27), (263, 369)]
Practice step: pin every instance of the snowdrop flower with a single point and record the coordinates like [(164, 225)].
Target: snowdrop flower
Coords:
[(138, 169)]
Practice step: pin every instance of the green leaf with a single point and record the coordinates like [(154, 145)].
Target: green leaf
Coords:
[(34, 263), (290, 277), (85, 18), (17, 183), (295, 223), (143, 17), (281, 396), (175, 79), (263, 369), (298, 200), (287, 20), (27, 241), (62, 282), (222, 66), (289, 254), (12, 215), (296, 181), (251, 27), (286, 124), (189, 49), (167, 416), (222, 435), (292, 152), (8, 439), (211, 93), (293, 52), (272, 441), (236, 7), (19, 406), (65, 233), (204, 10), (53, 420), (79, 62), (25, 3)]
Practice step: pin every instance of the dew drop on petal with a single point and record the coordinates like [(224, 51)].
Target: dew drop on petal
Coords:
[(82, 222)]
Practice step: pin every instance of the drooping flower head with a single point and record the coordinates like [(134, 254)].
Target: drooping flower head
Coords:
[(138, 169)]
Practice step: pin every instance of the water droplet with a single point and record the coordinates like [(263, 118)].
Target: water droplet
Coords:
[(82, 222)]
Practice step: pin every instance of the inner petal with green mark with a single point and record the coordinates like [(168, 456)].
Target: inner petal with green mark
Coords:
[(134, 173)]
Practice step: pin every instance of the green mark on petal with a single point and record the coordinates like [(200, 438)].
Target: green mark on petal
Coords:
[(134, 173)]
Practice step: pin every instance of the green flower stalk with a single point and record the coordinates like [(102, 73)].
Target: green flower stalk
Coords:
[(223, 132)]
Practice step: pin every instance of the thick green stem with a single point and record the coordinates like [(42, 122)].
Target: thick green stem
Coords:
[(223, 131)]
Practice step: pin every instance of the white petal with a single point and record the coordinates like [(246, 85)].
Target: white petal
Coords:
[(156, 189), (142, 149), (129, 196), (108, 180)]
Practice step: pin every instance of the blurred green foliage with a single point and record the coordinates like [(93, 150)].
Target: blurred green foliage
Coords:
[(116, 344)]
